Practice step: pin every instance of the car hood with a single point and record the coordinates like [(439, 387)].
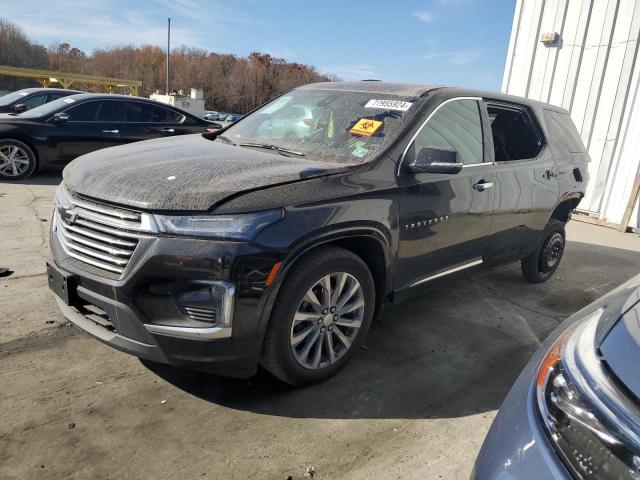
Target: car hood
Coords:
[(12, 118), (184, 173), (621, 346)]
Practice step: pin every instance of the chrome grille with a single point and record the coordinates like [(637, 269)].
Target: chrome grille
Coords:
[(201, 313), (97, 234)]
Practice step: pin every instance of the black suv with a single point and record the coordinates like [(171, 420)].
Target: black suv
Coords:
[(276, 240)]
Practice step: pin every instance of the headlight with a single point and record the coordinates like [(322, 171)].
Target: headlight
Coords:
[(244, 226), (574, 395)]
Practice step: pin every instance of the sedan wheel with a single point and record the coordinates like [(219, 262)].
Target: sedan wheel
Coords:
[(327, 320), (17, 161)]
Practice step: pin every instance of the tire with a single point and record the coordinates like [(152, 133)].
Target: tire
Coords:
[(543, 262), (17, 160), (298, 325)]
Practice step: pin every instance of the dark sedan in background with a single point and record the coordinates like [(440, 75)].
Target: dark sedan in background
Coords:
[(28, 98), (50, 136), (574, 412)]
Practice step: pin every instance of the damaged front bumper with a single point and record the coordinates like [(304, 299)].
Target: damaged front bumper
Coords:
[(158, 309)]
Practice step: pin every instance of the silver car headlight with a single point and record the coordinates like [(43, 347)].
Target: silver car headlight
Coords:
[(243, 226), (581, 408)]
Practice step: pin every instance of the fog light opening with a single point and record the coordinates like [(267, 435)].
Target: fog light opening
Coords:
[(208, 301)]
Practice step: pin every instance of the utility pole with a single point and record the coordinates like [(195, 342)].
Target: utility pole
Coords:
[(168, 53)]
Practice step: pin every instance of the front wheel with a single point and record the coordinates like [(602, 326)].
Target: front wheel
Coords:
[(543, 262), (17, 160), (321, 316)]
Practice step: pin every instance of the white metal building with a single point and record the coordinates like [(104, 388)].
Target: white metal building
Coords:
[(582, 55), (193, 103)]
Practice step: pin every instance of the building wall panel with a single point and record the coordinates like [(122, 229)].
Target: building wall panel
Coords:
[(593, 72)]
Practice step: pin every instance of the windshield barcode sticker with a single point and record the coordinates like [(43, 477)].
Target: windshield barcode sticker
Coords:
[(389, 105)]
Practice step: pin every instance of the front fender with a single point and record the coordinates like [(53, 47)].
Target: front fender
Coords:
[(327, 236)]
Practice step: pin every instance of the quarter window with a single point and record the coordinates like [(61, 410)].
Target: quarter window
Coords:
[(564, 132), (457, 126)]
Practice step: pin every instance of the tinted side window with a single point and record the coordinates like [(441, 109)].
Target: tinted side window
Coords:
[(35, 101), (515, 137), (85, 112), (110, 111), (457, 126), (146, 113), (563, 132)]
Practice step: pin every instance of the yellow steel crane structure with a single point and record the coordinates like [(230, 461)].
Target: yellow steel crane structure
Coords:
[(46, 77)]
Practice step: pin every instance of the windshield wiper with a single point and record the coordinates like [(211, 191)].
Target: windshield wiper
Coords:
[(268, 146), (227, 140)]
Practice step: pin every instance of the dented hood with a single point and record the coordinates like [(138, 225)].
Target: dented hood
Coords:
[(183, 173)]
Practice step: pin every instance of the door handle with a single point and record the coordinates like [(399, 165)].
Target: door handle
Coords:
[(111, 131), (481, 186), (167, 130)]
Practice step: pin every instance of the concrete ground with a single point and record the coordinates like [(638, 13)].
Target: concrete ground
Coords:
[(415, 404)]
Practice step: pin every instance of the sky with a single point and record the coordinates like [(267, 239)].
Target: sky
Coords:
[(449, 42)]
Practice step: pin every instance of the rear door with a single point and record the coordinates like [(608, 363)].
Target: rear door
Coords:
[(92, 125), (527, 184), (445, 218), (145, 120)]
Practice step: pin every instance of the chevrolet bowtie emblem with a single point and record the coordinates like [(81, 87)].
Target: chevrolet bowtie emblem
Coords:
[(68, 216)]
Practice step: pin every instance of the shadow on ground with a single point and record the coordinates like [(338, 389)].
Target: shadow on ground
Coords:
[(455, 352)]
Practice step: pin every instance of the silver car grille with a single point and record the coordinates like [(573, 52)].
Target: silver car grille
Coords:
[(97, 234)]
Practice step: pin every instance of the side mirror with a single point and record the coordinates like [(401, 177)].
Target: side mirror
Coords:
[(20, 107), (61, 117), (436, 160)]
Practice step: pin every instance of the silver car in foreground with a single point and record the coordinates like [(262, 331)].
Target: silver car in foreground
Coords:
[(574, 411)]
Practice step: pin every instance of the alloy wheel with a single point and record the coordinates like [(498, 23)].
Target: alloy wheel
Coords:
[(14, 161), (327, 320)]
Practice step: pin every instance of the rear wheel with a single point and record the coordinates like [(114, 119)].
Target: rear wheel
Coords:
[(321, 316), (543, 262), (17, 160)]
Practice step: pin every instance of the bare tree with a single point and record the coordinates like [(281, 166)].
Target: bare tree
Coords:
[(16, 50), (230, 83)]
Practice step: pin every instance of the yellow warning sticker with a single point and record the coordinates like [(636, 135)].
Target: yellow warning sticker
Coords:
[(365, 127)]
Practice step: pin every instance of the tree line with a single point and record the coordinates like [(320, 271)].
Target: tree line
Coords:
[(230, 83)]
